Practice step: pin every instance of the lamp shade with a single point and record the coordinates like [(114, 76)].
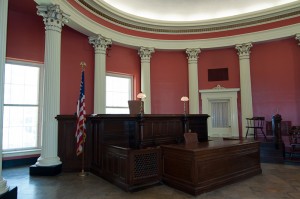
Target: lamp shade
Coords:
[(184, 99), (141, 95)]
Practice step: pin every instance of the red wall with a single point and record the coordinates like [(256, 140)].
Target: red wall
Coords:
[(275, 79), (274, 67), (122, 60), (75, 48), (169, 81), (218, 58), (25, 33)]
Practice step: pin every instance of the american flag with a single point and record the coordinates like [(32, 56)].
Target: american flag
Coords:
[(81, 130)]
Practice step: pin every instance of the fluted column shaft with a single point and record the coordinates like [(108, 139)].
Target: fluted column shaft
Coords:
[(100, 45), (193, 80), (3, 33), (245, 82), (54, 19), (145, 54)]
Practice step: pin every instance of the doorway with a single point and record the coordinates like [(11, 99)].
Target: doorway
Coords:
[(221, 105)]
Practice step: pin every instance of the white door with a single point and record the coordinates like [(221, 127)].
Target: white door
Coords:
[(220, 118), (221, 105)]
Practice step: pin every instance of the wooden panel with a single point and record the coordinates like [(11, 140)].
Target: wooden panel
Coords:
[(285, 126), (67, 144), (130, 169), (206, 166)]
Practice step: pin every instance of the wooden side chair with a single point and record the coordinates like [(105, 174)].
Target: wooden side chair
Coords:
[(190, 138), (256, 123)]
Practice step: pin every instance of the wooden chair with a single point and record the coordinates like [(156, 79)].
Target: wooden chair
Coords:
[(294, 140), (256, 123), (135, 106), (190, 138)]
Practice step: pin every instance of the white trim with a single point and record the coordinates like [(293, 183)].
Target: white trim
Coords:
[(40, 100), (221, 94), (21, 153), (83, 24), (219, 90), (136, 20)]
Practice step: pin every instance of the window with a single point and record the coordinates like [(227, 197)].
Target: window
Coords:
[(21, 116), (118, 92)]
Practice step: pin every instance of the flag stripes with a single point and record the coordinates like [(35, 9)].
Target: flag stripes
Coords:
[(81, 129)]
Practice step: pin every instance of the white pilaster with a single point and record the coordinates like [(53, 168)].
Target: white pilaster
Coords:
[(145, 54), (3, 32), (100, 45), (193, 80), (54, 19), (245, 81)]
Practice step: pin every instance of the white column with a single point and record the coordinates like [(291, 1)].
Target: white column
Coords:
[(3, 32), (100, 45), (193, 80), (54, 19), (145, 54), (245, 81)]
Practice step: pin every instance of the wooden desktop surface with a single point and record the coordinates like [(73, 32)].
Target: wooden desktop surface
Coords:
[(198, 168)]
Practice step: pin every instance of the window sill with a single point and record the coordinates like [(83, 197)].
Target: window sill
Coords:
[(10, 155)]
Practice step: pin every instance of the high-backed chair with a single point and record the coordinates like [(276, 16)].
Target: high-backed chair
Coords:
[(292, 144), (135, 106), (190, 138), (256, 123)]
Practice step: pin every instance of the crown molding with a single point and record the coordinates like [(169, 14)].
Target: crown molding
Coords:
[(108, 13), (85, 25)]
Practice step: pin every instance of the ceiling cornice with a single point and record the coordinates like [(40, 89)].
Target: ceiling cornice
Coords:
[(85, 25), (111, 15)]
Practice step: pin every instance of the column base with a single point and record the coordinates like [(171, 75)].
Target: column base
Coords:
[(45, 170), (10, 194)]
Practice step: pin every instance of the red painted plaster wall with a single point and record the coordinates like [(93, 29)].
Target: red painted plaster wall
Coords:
[(75, 48), (274, 68), (25, 33), (169, 81), (123, 60), (218, 58), (275, 79)]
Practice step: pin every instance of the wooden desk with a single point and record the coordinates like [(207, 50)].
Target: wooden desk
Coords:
[(206, 166), (119, 147)]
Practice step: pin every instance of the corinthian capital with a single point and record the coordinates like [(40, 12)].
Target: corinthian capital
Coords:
[(193, 53), (244, 49), (100, 43), (145, 53), (54, 18)]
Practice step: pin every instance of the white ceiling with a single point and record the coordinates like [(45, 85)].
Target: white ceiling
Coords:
[(189, 10)]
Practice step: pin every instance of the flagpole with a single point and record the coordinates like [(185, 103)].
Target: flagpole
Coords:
[(83, 173)]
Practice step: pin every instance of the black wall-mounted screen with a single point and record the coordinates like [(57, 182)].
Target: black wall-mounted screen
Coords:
[(218, 74)]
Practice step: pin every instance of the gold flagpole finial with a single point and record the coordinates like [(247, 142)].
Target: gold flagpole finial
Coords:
[(83, 65)]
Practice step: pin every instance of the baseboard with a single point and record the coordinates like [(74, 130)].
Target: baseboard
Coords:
[(45, 170), (18, 162)]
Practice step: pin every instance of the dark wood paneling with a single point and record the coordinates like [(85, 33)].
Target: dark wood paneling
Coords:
[(206, 166), (285, 127), (67, 144)]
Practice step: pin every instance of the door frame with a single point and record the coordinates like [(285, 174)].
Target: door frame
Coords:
[(221, 93)]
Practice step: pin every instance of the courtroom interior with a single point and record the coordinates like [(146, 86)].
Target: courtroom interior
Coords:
[(149, 99)]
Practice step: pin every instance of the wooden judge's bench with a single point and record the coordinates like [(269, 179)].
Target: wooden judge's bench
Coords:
[(134, 151)]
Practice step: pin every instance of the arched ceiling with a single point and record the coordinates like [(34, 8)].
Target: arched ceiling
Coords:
[(188, 10)]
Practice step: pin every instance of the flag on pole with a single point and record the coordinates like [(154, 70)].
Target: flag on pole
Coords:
[(81, 129)]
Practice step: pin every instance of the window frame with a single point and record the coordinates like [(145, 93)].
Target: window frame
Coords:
[(29, 150), (128, 76)]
